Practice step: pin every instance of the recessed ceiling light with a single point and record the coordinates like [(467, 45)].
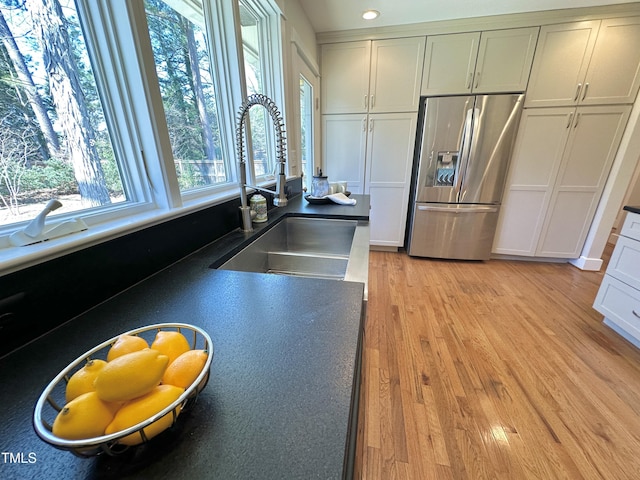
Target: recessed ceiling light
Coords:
[(370, 14)]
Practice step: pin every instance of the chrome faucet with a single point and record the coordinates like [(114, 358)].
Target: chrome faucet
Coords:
[(280, 200)]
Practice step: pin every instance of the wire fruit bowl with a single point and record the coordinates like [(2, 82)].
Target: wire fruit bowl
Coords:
[(52, 399)]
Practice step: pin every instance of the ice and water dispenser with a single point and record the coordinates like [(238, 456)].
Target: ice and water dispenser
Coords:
[(446, 165)]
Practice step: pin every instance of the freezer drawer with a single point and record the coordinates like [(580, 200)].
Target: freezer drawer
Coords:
[(463, 232)]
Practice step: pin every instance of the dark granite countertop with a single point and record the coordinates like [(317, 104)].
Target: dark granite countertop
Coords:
[(632, 209), (281, 399)]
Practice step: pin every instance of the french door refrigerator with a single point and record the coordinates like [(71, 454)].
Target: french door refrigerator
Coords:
[(463, 148)]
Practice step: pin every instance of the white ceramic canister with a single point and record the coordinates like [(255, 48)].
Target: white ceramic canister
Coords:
[(259, 205)]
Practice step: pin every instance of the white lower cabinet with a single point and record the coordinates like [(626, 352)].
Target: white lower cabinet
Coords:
[(374, 153), (559, 167), (618, 298)]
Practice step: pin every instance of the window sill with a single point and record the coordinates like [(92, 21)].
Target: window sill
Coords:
[(14, 258)]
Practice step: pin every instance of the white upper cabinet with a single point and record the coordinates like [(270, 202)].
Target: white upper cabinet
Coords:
[(560, 64), (477, 62), (372, 76), (449, 63), (586, 63), (396, 72), (504, 60), (345, 77), (614, 71)]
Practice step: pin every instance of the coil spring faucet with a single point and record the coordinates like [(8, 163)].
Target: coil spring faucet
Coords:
[(280, 198)]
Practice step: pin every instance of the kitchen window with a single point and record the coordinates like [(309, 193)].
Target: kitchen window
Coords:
[(257, 27), (157, 83), (54, 134), (185, 76)]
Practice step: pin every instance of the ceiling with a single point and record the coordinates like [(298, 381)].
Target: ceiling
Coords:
[(332, 15)]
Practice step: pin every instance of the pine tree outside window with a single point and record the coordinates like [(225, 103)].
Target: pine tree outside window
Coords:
[(185, 76), (54, 140)]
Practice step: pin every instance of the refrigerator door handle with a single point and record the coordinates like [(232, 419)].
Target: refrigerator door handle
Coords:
[(459, 208), (465, 147)]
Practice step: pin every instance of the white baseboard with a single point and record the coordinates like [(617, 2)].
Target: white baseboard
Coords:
[(585, 263), (383, 248)]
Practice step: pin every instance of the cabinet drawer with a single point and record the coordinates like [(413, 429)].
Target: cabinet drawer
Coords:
[(631, 226), (625, 262), (620, 304)]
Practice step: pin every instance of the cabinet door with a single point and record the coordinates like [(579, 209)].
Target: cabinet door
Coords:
[(620, 304), (535, 163), (449, 63), (614, 70), (396, 72), (587, 160), (625, 262), (343, 149), (560, 63), (345, 77), (391, 138), (504, 60)]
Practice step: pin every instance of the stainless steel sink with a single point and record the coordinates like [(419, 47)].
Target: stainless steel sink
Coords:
[(309, 247)]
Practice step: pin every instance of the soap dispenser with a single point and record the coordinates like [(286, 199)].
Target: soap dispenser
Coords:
[(319, 185)]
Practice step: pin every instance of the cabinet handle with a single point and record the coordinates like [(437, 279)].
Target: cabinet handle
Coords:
[(372, 101), (575, 99), (366, 102), (477, 79), (371, 125), (584, 92), (470, 80), (364, 124), (577, 119), (569, 119), (635, 313)]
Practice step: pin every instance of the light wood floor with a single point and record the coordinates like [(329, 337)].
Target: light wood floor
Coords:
[(499, 369)]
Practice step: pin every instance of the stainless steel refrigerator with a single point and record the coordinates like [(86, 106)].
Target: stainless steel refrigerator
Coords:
[(463, 148)]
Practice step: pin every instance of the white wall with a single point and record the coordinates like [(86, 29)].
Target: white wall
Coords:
[(298, 44), (613, 195), (300, 27), (632, 197)]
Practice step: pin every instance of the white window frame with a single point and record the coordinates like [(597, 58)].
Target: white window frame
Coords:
[(133, 109), (271, 56), (304, 66)]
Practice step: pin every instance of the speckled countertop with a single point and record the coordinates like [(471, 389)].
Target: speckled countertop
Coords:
[(281, 399)]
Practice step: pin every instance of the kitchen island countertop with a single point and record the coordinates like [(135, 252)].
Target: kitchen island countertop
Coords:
[(281, 400), (632, 209)]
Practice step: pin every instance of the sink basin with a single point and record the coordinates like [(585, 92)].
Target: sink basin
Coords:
[(308, 247)]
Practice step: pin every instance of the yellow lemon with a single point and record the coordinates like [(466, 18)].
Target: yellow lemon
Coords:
[(183, 370), (170, 343), (142, 408), (82, 380), (83, 417), (126, 344), (131, 375)]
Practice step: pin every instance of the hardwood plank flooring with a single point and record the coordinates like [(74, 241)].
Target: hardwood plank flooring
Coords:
[(498, 369)]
